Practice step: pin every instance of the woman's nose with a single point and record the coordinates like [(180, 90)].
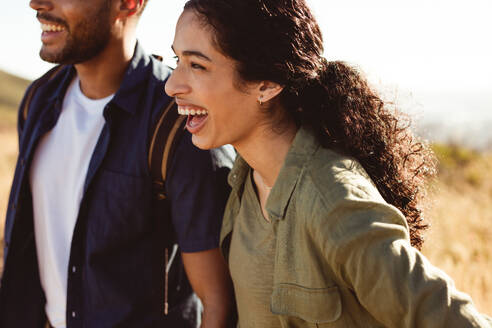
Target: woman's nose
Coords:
[(176, 84)]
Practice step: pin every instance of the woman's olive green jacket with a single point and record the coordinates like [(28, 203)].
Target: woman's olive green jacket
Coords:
[(343, 256)]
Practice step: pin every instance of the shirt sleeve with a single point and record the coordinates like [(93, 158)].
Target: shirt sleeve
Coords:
[(198, 191), (392, 280)]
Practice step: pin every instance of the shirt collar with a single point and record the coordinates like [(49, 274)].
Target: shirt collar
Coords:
[(238, 173), (303, 147)]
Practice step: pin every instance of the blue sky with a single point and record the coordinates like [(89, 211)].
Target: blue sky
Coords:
[(434, 55)]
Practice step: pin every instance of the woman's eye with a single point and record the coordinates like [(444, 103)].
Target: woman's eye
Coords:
[(197, 66), (192, 64)]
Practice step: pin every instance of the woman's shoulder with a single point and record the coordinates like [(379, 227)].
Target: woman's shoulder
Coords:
[(336, 176), (334, 182), (337, 195)]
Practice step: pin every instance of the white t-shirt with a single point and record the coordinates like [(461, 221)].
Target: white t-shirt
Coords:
[(57, 179)]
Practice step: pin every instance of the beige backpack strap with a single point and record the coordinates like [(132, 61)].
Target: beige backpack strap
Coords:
[(165, 137), (163, 142)]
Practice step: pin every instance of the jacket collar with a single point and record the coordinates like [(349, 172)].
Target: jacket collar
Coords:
[(59, 83), (303, 147), (127, 96)]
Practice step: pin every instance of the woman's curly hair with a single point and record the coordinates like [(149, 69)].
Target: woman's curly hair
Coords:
[(280, 41)]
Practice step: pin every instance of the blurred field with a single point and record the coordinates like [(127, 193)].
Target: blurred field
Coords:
[(459, 240), (11, 89), (8, 154)]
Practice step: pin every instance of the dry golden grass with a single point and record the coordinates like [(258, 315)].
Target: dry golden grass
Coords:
[(459, 240)]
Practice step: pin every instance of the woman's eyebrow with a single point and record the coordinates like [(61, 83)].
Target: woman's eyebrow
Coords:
[(195, 53)]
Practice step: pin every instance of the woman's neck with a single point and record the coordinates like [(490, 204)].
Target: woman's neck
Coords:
[(265, 151)]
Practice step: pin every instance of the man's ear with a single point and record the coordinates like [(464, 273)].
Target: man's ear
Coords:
[(267, 90), (130, 7)]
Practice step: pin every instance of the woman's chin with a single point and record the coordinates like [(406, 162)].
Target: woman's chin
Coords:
[(204, 143), (201, 142)]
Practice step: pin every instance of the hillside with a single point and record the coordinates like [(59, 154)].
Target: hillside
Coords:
[(12, 89)]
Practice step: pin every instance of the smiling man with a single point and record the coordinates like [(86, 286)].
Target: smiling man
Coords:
[(84, 244)]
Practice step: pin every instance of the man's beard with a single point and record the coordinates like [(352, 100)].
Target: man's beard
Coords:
[(84, 41)]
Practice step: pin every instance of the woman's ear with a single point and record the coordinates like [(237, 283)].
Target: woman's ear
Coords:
[(268, 90)]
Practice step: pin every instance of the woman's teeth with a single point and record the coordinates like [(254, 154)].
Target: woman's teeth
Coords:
[(51, 28), (185, 110)]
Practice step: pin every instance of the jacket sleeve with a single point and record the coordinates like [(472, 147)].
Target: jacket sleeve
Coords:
[(369, 249), (20, 112)]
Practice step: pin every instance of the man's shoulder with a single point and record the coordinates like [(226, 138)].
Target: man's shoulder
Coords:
[(45, 88), (160, 71), (49, 81), (54, 72)]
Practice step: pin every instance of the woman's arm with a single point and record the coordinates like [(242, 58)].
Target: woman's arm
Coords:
[(391, 279)]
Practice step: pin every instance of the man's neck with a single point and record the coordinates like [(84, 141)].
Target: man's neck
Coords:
[(102, 75)]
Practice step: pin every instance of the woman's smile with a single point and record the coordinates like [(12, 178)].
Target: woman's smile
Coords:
[(197, 117)]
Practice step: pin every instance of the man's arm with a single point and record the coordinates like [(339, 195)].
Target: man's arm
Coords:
[(209, 276)]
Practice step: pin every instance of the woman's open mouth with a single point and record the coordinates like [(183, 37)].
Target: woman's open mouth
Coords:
[(197, 117)]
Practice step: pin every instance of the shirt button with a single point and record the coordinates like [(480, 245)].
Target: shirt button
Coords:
[(74, 269), (74, 314)]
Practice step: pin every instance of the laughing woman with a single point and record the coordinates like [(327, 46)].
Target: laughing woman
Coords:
[(324, 222)]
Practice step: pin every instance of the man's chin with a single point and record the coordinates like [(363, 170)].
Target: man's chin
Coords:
[(51, 56), (68, 55)]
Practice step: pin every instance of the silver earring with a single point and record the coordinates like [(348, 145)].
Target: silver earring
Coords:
[(260, 100)]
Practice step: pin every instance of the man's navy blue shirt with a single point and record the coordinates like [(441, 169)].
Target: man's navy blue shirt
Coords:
[(116, 268)]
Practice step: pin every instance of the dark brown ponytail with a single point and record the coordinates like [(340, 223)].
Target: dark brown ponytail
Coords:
[(348, 116)]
